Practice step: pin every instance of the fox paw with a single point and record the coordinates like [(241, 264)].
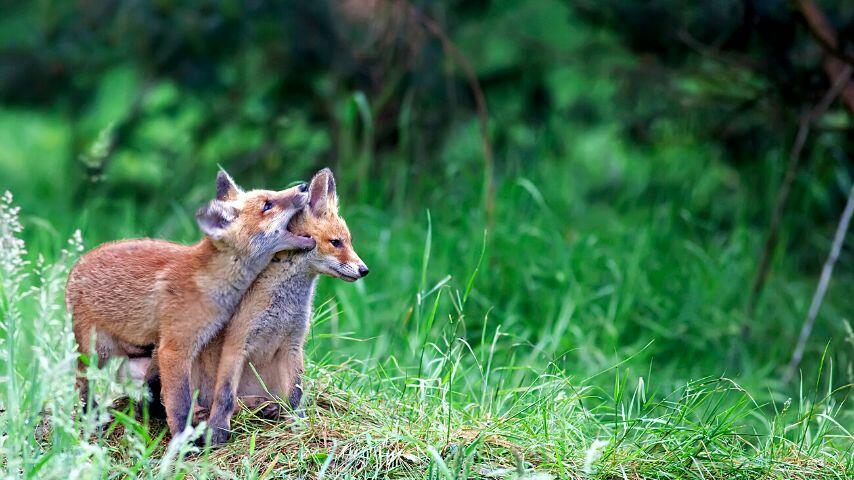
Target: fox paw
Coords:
[(270, 411), (263, 407), (266, 410), (213, 436), (219, 435), (200, 414)]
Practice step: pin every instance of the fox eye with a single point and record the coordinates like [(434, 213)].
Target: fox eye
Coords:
[(267, 205), (336, 243)]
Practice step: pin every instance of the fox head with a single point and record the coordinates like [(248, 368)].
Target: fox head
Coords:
[(253, 222), (334, 254)]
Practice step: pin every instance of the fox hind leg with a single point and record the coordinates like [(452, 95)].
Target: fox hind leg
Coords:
[(154, 400), (105, 348), (282, 383)]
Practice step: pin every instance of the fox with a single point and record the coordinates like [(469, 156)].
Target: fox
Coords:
[(131, 295), (269, 327)]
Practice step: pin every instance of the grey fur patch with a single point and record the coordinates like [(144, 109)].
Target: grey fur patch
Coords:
[(285, 323), (287, 318), (240, 275), (243, 271)]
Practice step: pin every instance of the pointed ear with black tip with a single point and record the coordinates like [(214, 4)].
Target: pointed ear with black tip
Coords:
[(319, 191), (331, 196), (214, 218), (226, 188)]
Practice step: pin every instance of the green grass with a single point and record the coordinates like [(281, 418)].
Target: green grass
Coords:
[(448, 392), (594, 327)]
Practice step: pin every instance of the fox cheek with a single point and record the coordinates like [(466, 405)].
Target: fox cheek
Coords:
[(344, 257)]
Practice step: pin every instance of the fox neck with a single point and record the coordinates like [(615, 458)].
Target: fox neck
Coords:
[(292, 291), (293, 273), (226, 274)]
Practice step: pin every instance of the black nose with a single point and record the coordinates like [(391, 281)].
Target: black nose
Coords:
[(363, 271), (303, 187)]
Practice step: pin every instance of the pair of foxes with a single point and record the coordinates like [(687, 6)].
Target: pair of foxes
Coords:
[(190, 318)]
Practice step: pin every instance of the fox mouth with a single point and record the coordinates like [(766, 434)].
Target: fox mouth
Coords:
[(343, 273), (302, 241), (297, 240), (297, 237), (346, 277)]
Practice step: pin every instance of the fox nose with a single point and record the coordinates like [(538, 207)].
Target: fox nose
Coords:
[(363, 270)]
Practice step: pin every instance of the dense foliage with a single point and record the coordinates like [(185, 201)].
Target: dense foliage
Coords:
[(580, 188)]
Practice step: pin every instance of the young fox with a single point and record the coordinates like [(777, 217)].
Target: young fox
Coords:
[(269, 327), (136, 293)]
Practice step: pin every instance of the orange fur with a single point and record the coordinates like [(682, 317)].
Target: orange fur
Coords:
[(269, 327), (137, 293)]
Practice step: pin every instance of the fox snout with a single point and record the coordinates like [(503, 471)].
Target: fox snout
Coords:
[(292, 241), (350, 271)]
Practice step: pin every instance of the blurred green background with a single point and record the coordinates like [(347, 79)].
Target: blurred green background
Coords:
[(619, 175)]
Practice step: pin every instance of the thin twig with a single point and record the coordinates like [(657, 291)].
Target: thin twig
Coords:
[(729, 59), (821, 289), (783, 195), (822, 30)]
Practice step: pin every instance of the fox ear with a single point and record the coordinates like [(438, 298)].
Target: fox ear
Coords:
[(215, 217), (322, 197), (226, 189), (331, 196)]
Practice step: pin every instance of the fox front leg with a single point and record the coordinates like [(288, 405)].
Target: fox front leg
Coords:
[(175, 386), (225, 393)]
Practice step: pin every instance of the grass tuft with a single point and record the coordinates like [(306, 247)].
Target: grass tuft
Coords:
[(551, 429)]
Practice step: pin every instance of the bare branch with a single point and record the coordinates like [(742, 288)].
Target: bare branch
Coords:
[(822, 31), (823, 283), (834, 61), (783, 195)]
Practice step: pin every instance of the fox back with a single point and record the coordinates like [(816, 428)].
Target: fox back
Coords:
[(118, 286), (115, 287)]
